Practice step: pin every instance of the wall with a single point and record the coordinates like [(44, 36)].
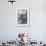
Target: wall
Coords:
[(37, 29)]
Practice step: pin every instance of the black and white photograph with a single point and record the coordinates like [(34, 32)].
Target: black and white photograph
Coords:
[(22, 17)]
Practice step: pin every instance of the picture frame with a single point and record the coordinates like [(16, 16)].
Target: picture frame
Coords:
[(22, 17)]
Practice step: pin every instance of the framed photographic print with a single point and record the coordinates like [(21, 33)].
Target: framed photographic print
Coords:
[(22, 17)]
